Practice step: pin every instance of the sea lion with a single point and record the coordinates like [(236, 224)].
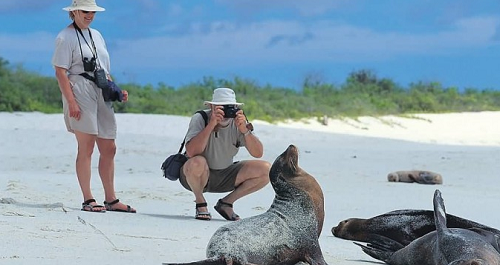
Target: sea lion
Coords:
[(443, 246), (402, 226), (418, 176), (286, 234)]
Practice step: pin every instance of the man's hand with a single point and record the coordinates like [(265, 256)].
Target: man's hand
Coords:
[(217, 115), (241, 121)]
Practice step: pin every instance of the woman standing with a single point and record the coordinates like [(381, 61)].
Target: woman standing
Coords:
[(82, 50)]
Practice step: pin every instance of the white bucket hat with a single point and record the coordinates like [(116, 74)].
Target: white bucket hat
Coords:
[(223, 96), (85, 5)]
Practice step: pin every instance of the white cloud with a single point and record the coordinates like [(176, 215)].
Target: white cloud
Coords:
[(33, 47), (8, 6), (223, 45), (281, 42), (303, 8)]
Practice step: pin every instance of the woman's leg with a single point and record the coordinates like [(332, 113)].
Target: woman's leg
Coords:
[(86, 143), (107, 151)]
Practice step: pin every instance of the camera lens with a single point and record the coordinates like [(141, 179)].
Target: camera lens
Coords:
[(230, 111)]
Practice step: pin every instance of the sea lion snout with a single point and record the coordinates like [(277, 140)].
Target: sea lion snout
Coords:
[(337, 230), (291, 157), (351, 229)]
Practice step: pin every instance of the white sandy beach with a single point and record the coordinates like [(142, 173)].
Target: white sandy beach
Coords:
[(41, 222)]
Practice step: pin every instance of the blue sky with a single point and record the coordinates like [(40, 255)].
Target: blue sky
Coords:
[(276, 42)]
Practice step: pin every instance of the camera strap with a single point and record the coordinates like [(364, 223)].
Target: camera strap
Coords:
[(93, 49)]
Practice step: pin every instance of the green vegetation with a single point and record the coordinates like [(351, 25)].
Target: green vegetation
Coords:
[(362, 94)]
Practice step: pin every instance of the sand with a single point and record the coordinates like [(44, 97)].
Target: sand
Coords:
[(41, 221)]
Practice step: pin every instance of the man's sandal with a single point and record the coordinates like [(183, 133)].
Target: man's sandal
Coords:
[(87, 207), (202, 215), (219, 207), (109, 207)]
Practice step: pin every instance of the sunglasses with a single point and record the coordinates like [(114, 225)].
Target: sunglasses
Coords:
[(86, 12)]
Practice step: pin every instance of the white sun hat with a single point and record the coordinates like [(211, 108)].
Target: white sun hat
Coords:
[(85, 5), (223, 96)]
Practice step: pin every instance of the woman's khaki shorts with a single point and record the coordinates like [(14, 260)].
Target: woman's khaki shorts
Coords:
[(97, 117), (219, 181)]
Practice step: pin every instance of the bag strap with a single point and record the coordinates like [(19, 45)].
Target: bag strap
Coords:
[(205, 118), (87, 76), (204, 115)]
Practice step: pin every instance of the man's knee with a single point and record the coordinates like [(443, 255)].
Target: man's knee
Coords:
[(260, 169), (195, 166), (265, 167)]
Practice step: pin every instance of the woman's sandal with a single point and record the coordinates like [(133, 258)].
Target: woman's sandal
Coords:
[(202, 215), (88, 207), (219, 208), (109, 207)]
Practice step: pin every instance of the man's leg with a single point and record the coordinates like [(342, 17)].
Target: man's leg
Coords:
[(253, 176), (196, 171)]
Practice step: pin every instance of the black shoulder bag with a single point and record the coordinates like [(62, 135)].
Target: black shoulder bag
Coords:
[(171, 167)]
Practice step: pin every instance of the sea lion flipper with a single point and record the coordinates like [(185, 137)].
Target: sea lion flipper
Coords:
[(383, 243), (375, 253), (439, 213)]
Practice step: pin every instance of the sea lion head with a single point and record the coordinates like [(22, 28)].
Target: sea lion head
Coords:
[(285, 166), (393, 177), (351, 229), (292, 183)]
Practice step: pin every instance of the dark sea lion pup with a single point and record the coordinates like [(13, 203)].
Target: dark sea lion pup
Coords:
[(402, 226), (286, 234), (444, 246)]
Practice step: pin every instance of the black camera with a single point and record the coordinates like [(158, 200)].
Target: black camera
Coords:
[(89, 65), (230, 111)]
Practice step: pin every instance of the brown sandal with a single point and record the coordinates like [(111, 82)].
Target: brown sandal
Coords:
[(88, 207), (202, 215), (219, 208), (110, 208)]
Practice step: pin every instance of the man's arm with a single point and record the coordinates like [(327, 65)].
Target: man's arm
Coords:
[(197, 144), (252, 143)]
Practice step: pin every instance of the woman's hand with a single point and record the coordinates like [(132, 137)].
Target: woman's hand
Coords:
[(125, 95), (74, 110)]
